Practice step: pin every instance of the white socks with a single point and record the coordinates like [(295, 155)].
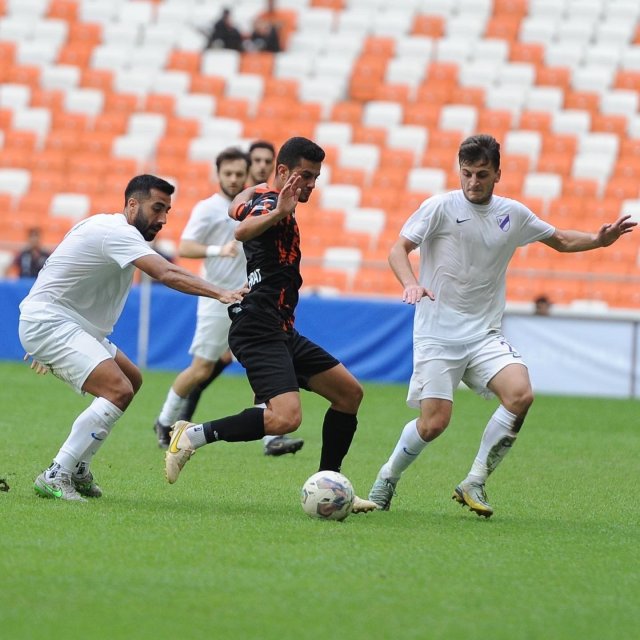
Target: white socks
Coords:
[(407, 450), (171, 408), (90, 429), (497, 439)]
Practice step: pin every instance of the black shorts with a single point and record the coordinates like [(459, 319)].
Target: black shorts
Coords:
[(276, 361)]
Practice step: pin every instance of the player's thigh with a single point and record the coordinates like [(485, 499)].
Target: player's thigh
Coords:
[(129, 369), (269, 367), (339, 386), (491, 356), (437, 372), (211, 337), (66, 349), (513, 386)]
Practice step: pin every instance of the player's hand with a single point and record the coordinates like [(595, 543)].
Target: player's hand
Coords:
[(290, 193), (609, 233), (227, 297), (230, 249), (38, 367), (415, 292)]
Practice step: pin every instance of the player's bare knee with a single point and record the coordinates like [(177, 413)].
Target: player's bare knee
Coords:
[(136, 382), (122, 395), (431, 429), (350, 400), (519, 403), (281, 424)]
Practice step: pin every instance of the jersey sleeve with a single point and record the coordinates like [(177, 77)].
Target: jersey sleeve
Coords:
[(422, 222), (532, 228), (198, 225), (124, 245), (261, 203)]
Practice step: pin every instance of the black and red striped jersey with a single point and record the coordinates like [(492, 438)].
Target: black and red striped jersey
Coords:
[(273, 261)]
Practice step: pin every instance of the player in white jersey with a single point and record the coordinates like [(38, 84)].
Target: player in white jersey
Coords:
[(209, 225), (466, 239), (72, 308)]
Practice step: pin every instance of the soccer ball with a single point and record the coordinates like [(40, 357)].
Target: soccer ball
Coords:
[(327, 495)]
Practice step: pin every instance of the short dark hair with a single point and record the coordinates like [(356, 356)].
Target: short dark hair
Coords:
[(142, 185), (230, 154), (299, 148), (262, 144), (480, 148)]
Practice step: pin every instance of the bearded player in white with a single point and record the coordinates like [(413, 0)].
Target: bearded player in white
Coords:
[(466, 239), (72, 308)]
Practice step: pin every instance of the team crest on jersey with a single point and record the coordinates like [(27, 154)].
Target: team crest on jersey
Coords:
[(504, 222)]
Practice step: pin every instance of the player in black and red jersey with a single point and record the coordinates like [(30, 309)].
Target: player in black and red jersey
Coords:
[(278, 360)]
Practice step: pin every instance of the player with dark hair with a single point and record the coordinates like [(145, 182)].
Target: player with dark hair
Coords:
[(72, 308), (278, 360), (261, 160), (466, 239)]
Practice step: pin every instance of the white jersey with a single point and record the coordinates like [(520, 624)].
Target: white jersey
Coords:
[(465, 249), (88, 276), (210, 224)]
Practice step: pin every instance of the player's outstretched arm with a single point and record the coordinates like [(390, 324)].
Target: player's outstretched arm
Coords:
[(570, 241), (180, 279), (413, 291), (254, 225)]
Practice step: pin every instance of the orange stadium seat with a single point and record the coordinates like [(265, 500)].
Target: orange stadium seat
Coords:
[(114, 123), (180, 60), (258, 62), (586, 100), (554, 76), (88, 32), (423, 114), (609, 123), (503, 27), (64, 9), (428, 25), (76, 53), (531, 52), (535, 121), (211, 85), (346, 111)]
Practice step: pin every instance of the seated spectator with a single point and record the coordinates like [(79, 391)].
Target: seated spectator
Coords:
[(32, 258), (224, 35), (264, 37), (542, 306), (273, 22)]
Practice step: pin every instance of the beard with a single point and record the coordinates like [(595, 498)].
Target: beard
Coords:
[(148, 232), (231, 193)]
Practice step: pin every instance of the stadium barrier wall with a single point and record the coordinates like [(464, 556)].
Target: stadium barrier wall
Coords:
[(583, 356)]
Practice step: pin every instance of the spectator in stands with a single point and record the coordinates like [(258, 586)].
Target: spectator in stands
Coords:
[(466, 239), (542, 306), (72, 308), (269, 28), (32, 258), (264, 37), (224, 34), (278, 360)]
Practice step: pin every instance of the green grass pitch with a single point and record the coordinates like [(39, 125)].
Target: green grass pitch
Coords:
[(227, 553)]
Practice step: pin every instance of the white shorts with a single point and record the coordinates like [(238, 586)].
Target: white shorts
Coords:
[(69, 352), (439, 368), (211, 338)]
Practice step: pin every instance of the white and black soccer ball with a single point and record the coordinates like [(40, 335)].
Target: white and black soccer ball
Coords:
[(327, 495)]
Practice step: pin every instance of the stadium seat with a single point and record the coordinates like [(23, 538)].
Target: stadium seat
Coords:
[(70, 205)]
